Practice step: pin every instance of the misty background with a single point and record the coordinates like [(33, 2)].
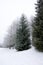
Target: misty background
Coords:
[(10, 10)]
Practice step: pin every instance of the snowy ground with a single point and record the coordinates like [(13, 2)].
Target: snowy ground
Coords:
[(28, 57)]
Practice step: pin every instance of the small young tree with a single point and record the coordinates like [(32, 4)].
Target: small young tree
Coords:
[(38, 26), (22, 35)]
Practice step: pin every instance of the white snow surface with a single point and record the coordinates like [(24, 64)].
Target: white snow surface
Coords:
[(27, 57)]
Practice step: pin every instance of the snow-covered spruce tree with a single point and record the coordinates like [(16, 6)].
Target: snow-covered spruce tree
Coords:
[(37, 36), (22, 35)]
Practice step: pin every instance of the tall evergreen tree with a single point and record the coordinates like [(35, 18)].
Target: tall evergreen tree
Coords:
[(22, 35), (37, 36)]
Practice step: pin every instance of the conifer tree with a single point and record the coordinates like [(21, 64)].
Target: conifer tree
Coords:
[(37, 36), (22, 35), (9, 39)]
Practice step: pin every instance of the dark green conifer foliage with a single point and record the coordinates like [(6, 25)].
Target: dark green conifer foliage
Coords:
[(22, 35), (37, 35)]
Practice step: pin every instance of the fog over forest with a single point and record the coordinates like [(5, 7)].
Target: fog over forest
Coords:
[(10, 10)]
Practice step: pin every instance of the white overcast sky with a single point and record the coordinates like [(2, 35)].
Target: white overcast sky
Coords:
[(11, 9)]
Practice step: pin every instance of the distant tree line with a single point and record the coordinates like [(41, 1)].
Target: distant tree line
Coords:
[(18, 35)]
